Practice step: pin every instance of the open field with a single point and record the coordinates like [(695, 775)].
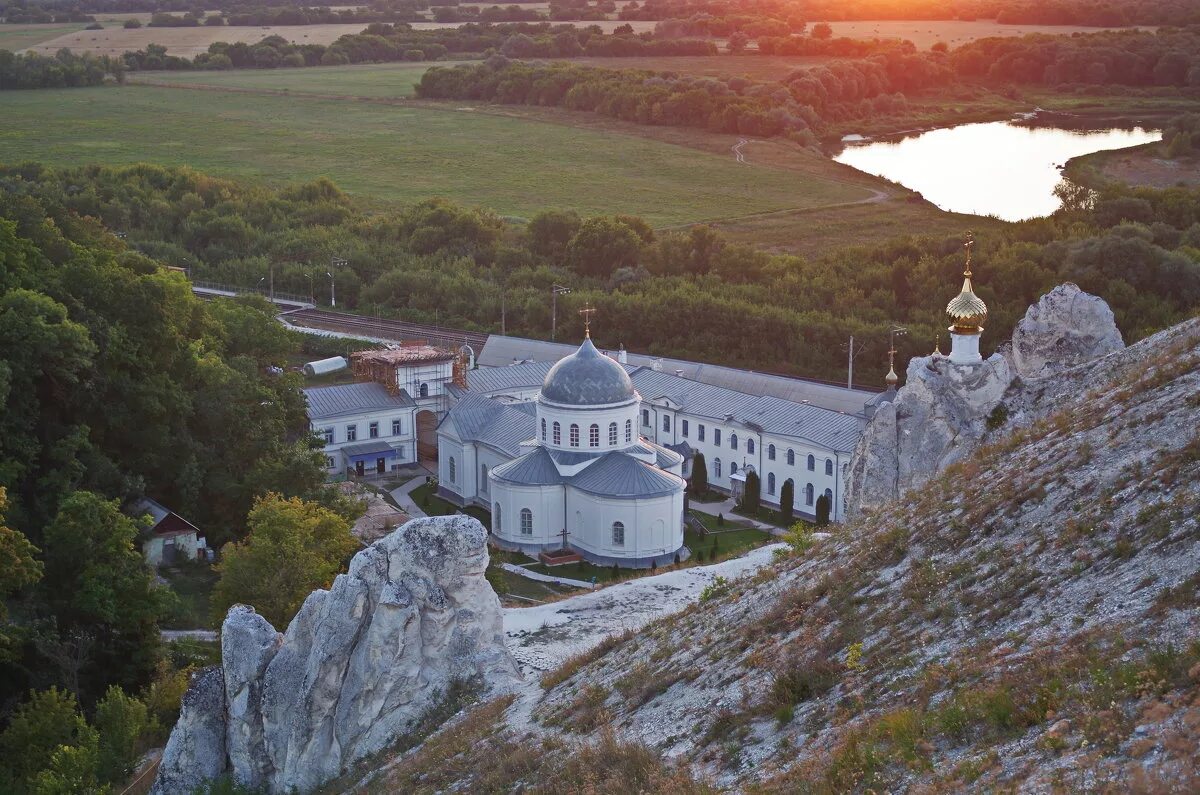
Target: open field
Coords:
[(390, 153), (925, 34), (1141, 166), (362, 80), (18, 37), (187, 42)]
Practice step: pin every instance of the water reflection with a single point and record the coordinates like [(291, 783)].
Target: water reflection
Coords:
[(1005, 169)]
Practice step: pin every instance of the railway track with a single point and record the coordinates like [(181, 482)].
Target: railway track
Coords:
[(383, 328)]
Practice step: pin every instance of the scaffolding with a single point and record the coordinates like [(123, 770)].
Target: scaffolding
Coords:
[(381, 365)]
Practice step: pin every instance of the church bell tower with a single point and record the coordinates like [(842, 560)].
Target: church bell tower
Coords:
[(967, 312)]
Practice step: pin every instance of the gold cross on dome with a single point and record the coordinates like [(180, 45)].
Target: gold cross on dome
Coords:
[(970, 244), (587, 312)]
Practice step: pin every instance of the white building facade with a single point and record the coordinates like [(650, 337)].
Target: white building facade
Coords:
[(366, 428)]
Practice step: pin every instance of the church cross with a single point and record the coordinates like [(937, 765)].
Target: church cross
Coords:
[(564, 535), (587, 312), (970, 244)]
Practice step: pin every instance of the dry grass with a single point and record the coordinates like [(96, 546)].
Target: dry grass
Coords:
[(571, 666), (188, 42)]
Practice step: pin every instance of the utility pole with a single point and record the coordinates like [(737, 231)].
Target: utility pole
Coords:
[(503, 312), (896, 331), (335, 262), (555, 292), (853, 353)]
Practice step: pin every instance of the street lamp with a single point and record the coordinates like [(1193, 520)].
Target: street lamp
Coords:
[(335, 262), (555, 292), (312, 291), (332, 293)]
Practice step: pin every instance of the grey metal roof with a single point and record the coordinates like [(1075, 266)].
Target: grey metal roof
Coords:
[(535, 468), (665, 457), (620, 476), (368, 448), (500, 425), (572, 457), (684, 449), (501, 351), (327, 402), (587, 378), (498, 379)]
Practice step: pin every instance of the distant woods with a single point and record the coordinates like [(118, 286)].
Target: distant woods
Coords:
[(64, 70), (689, 293)]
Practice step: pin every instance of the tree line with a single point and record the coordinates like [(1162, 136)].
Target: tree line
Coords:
[(62, 70)]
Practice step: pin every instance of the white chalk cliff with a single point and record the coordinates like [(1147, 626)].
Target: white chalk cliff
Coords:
[(358, 666), (941, 413)]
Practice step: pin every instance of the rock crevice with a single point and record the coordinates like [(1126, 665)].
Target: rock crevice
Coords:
[(358, 666)]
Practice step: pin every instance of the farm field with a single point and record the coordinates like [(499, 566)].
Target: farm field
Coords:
[(925, 33), (391, 153), (18, 37), (187, 42), (361, 80)]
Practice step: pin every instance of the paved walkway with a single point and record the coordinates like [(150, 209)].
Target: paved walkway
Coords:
[(403, 496), (537, 575), (725, 508)]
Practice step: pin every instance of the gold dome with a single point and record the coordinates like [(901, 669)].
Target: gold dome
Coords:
[(891, 378), (967, 311)]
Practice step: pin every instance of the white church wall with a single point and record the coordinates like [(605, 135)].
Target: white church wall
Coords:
[(653, 526), (585, 418), (545, 503)]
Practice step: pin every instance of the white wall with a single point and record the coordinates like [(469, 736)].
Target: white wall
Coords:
[(585, 418), (546, 503), (653, 526), (406, 437)]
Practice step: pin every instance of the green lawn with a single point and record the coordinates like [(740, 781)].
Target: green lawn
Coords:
[(390, 153), (193, 584), (729, 543), (429, 502), (365, 80)]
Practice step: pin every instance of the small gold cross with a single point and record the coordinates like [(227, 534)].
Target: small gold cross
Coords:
[(587, 312)]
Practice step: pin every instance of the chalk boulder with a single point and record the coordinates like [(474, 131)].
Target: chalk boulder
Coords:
[(358, 666), (1066, 327)]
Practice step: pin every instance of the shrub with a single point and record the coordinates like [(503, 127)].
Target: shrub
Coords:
[(799, 679), (130, 24)]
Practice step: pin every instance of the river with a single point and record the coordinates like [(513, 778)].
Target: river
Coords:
[(1007, 169)]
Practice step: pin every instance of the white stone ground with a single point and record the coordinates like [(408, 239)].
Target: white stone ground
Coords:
[(542, 637)]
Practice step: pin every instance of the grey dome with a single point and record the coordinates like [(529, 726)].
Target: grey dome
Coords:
[(587, 378)]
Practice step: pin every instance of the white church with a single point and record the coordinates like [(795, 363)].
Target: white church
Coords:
[(584, 479)]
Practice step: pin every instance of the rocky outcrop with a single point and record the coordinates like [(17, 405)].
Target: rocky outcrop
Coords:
[(359, 665), (942, 412), (937, 418), (1067, 327)]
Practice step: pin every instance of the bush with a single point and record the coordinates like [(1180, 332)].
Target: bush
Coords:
[(414, 55), (94, 26), (130, 24)]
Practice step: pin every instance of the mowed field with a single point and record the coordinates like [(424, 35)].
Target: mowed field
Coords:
[(360, 80), (924, 34), (387, 151)]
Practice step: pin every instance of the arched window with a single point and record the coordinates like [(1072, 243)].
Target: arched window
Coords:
[(543, 429), (750, 446), (450, 470), (771, 452), (717, 467), (828, 466), (574, 435), (808, 494), (812, 462), (628, 431), (791, 458), (733, 467), (829, 496), (424, 390), (770, 483), (618, 534), (526, 522), (733, 441), (557, 433), (594, 435), (497, 518), (612, 434)]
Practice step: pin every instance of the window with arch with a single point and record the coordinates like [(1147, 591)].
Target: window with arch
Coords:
[(543, 429), (791, 458), (771, 452), (612, 434), (526, 522), (424, 390), (497, 518), (450, 470), (829, 496), (628, 431), (594, 435), (557, 433), (808, 494), (574, 435), (733, 467), (750, 446), (717, 467), (828, 466), (733, 441), (770, 483), (812, 462), (618, 534)]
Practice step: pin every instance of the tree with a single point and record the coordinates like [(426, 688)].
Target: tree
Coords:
[(737, 42), (602, 245), (121, 721), (101, 590), (698, 485), (18, 568), (551, 230), (787, 500), (42, 737), (293, 548), (752, 497), (823, 507), (821, 30)]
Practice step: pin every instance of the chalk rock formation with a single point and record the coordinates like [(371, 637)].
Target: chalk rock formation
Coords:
[(941, 413), (1065, 328), (359, 665), (937, 418)]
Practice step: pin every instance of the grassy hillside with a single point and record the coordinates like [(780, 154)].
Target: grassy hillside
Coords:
[(392, 153)]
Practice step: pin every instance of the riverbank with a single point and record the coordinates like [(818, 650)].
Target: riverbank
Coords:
[(1145, 166)]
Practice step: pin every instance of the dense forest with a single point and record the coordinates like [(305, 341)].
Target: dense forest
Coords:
[(442, 263)]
